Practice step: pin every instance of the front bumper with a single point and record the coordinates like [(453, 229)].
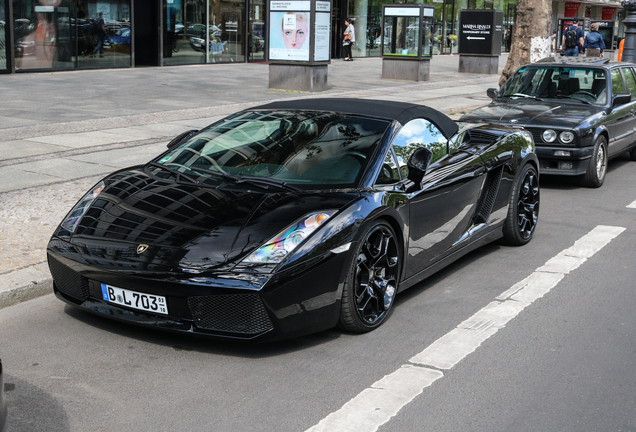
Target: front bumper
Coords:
[(574, 164), (298, 302)]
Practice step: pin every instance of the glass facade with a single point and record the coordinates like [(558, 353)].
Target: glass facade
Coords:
[(62, 34), (3, 37), (204, 31)]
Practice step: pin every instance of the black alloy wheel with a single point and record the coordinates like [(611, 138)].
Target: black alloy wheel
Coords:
[(371, 284), (523, 211), (597, 166)]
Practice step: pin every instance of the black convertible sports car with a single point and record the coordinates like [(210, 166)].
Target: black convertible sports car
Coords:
[(293, 217), (580, 112)]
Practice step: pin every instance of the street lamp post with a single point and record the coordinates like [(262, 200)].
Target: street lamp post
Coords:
[(629, 49)]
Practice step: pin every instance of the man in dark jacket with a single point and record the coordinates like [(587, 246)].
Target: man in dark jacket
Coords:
[(573, 39)]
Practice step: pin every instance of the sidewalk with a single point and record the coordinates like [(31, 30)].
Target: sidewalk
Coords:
[(60, 132)]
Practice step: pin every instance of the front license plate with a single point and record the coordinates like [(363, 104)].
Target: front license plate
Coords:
[(134, 299)]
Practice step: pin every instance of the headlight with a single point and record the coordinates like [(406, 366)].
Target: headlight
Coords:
[(549, 135), (286, 241), (73, 217), (566, 137)]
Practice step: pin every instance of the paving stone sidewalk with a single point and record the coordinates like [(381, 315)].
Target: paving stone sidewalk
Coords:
[(46, 165)]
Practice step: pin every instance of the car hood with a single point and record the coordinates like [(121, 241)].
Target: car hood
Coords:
[(531, 113), (182, 225)]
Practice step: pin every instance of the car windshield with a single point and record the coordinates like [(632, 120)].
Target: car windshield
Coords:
[(299, 149), (575, 84)]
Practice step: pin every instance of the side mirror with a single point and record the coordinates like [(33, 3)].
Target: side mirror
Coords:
[(181, 138), (621, 99), (492, 93), (417, 163)]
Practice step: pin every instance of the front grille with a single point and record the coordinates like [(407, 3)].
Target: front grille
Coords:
[(234, 313), (537, 134), (68, 281)]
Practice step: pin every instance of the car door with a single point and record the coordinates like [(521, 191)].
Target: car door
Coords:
[(621, 118), (630, 81), (441, 210)]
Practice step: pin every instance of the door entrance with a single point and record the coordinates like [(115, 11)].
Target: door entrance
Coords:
[(147, 37)]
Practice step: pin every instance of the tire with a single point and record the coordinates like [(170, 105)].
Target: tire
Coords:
[(371, 283), (523, 210), (632, 154), (597, 166)]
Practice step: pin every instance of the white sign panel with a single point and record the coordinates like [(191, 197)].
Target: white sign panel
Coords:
[(322, 6), (290, 6), (322, 29), (394, 11)]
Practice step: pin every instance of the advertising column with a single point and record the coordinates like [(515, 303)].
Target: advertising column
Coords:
[(299, 44)]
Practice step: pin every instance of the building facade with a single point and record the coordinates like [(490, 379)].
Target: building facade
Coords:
[(53, 35)]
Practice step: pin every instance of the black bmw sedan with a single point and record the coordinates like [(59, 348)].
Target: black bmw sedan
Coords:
[(293, 217), (580, 112)]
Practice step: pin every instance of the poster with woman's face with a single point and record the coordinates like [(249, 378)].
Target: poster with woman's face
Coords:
[(289, 36)]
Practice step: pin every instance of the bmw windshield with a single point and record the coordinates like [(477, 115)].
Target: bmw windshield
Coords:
[(573, 84), (285, 149)]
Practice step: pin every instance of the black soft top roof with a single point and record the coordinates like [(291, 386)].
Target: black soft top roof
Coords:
[(400, 111)]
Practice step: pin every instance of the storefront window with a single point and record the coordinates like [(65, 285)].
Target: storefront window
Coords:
[(42, 33), (103, 34), (367, 16), (192, 25)]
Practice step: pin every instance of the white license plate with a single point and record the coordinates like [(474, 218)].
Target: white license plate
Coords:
[(134, 299)]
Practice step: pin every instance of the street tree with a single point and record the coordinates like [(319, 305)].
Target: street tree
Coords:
[(530, 35)]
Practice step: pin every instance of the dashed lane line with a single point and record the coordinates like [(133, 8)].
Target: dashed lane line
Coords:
[(377, 404), (632, 205)]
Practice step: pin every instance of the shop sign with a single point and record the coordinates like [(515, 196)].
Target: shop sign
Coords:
[(608, 12), (571, 8), (480, 32)]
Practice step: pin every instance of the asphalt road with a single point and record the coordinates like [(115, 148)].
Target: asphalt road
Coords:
[(564, 363)]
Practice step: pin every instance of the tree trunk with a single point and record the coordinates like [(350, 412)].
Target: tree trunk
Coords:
[(530, 35)]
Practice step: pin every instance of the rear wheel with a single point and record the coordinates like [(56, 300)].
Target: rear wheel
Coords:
[(597, 166), (371, 283), (523, 211), (632, 154)]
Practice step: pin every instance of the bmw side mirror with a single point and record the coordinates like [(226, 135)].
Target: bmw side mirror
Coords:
[(181, 138), (621, 99), (492, 93), (417, 163)]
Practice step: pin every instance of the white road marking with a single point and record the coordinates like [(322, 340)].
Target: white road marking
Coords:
[(377, 404), (632, 205)]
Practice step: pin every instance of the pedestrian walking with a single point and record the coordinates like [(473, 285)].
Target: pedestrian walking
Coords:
[(100, 33), (349, 38), (553, 40), (573, 39), (594, 44)]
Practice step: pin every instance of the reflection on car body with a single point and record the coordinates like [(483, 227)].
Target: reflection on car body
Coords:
[(293, 217), (580, 112)]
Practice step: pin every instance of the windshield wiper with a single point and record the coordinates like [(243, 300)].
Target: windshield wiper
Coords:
[(570, 97), (525, 96), (179, 174), (263, 182)]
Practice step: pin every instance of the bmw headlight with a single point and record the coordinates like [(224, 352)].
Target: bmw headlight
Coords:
[(75, 215), (281, 245), (549, 135), (566, 137)]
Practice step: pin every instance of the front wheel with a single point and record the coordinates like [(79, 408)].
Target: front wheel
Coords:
[(597, 166), (371, 283), (523, 211)]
